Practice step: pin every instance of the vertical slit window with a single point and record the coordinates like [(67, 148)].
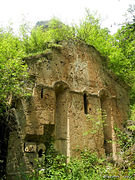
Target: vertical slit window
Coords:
[(42, 93), (85, 103)]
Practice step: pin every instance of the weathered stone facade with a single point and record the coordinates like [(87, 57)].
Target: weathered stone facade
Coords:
[(75, 100)]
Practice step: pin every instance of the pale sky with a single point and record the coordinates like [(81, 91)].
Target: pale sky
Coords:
[(69, 11)]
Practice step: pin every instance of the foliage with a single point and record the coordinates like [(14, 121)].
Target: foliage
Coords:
[(91, 32), (126, 142), (42, 37), (119, 48), (88, 167), (12, 68), (125, 41)]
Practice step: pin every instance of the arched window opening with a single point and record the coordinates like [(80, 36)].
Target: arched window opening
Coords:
[(31, 163), (85, 103)]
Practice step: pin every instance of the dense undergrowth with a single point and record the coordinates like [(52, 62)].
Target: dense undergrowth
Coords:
[(118, 50), (87, 167)]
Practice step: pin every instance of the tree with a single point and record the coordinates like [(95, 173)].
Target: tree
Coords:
[(91, 32), (12, 68), (125, 38)]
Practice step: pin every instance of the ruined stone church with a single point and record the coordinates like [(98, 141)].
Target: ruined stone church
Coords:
[(76, 101)]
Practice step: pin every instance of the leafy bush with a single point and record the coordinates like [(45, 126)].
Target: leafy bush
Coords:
[(13, 71), (88, 167), (42, 37)]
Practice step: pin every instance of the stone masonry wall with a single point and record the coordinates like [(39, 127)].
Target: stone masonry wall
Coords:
[(73, 89)]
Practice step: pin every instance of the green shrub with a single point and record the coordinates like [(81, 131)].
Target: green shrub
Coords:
[(88, 167)]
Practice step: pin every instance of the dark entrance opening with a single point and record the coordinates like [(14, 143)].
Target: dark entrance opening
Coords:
[(40, 153), (4, 136)]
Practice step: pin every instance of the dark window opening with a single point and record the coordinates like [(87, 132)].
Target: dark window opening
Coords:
[(85, 103), (40, 153), (31, 163), (42, 92)]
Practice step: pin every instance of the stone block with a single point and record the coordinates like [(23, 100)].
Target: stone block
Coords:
[(30, 147)]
